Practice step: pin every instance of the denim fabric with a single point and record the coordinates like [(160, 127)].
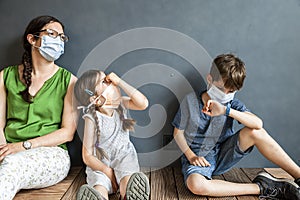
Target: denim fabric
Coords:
[(222, 158), (204, 142)]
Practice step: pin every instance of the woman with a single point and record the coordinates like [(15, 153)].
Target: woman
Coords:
[(36, 113)]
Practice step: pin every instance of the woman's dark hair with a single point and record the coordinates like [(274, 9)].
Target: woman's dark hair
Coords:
[(33, 27)]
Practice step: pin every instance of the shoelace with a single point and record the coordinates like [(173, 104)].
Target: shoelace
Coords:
[(271, 194)]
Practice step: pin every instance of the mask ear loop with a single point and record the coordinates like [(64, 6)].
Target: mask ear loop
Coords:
[(35, 37), (85, 109)]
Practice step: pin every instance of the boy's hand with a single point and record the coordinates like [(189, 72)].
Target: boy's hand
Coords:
[(113, 78), (214, 108), (199, 161)]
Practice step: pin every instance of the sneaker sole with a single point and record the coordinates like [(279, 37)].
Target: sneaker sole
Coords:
[(138, 187), (88, 193), (269, 176)]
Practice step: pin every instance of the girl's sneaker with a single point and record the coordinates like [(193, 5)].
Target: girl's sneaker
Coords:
[(88, 193), (138, 187)]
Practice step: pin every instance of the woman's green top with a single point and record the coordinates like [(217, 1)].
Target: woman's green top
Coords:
[(44, 115)]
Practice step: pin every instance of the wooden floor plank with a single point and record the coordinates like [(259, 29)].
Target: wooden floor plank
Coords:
[(183, 192), (166, 184), (163, 184), (74, 187), (279, 173), (37, 196), (222, 198), (252, 172)]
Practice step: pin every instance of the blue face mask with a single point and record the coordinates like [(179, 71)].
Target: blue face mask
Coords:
[(51, 48)]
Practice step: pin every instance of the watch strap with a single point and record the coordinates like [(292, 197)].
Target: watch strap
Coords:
[(228, 109)]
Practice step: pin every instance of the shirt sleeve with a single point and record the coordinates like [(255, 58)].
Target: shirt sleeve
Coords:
[(238, 105), (182, 116)]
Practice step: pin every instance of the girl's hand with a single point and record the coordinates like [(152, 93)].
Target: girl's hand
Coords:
[(10, 148), (113, 78), (214, 108), (111, 175), (199, 161)]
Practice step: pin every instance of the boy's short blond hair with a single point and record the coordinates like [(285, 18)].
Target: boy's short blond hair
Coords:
[(231, 69)]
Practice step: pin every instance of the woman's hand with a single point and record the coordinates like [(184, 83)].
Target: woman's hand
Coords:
[(113, 78), (10, 148), (199, 161)]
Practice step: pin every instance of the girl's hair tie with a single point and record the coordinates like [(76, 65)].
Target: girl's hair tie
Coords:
[(86, 109), (89, 92)]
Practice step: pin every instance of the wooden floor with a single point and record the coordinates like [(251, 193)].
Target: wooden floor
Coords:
[(166, 184)]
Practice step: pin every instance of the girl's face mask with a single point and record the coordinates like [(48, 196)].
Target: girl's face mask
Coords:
[(219, 96), (111, 97)]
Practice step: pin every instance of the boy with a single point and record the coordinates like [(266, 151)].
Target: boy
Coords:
[(204, 133)]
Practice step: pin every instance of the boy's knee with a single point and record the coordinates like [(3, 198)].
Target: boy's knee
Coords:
[(197, 185), (258, 133), (254, 135)]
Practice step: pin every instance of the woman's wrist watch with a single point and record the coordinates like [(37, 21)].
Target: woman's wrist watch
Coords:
[(27, 145)]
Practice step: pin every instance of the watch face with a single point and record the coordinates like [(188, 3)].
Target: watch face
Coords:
[(27, 145)]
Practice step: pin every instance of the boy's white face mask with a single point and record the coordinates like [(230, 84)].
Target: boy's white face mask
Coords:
[(218, 95), (112, 97)]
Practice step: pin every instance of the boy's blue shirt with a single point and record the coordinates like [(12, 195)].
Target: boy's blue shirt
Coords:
[(195, 123)]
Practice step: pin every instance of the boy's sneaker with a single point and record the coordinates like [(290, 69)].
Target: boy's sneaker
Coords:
[(137, 187), (275, 188), (88, 193)]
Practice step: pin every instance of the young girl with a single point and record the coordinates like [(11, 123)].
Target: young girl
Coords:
[(110, 157)]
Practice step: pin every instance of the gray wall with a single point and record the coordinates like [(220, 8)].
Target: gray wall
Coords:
[(265, 34)]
